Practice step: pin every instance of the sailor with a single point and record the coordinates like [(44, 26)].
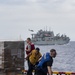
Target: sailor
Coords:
[(34, 57), (45, 63), (30, 46)]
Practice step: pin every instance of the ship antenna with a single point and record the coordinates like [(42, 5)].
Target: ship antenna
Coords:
[(46, 28), (49, 28)]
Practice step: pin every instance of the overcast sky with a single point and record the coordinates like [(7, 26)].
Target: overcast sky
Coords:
[(17, 16)]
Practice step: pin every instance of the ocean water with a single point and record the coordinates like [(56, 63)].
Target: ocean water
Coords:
[(65, 59)]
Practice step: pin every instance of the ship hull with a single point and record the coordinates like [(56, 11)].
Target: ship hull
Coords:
[(51, 42)]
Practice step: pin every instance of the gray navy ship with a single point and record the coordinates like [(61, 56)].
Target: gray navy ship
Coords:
[(44, 37)]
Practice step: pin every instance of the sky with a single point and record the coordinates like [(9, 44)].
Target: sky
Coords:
[(18, 16)]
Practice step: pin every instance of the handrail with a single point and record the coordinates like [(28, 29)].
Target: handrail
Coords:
[(57, 72)]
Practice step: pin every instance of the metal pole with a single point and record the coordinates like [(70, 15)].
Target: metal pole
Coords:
[(24, 54)]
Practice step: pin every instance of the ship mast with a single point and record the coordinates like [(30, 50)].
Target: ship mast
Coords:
[(31, 31), (49, 28)]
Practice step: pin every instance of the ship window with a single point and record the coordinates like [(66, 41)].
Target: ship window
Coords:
[(49, 38), (43, 39), (37, 40)]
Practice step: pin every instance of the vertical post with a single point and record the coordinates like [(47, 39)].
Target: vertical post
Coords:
[(24, 54)]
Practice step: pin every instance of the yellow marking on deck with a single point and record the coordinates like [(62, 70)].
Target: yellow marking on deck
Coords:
[(68, 72), (55, 72)]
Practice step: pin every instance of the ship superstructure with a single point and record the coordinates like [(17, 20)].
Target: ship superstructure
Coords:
[(48, 38)]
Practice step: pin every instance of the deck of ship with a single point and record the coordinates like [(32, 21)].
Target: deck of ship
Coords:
[(54, 73)]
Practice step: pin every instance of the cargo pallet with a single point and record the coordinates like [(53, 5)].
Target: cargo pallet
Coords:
[(11, 57)]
